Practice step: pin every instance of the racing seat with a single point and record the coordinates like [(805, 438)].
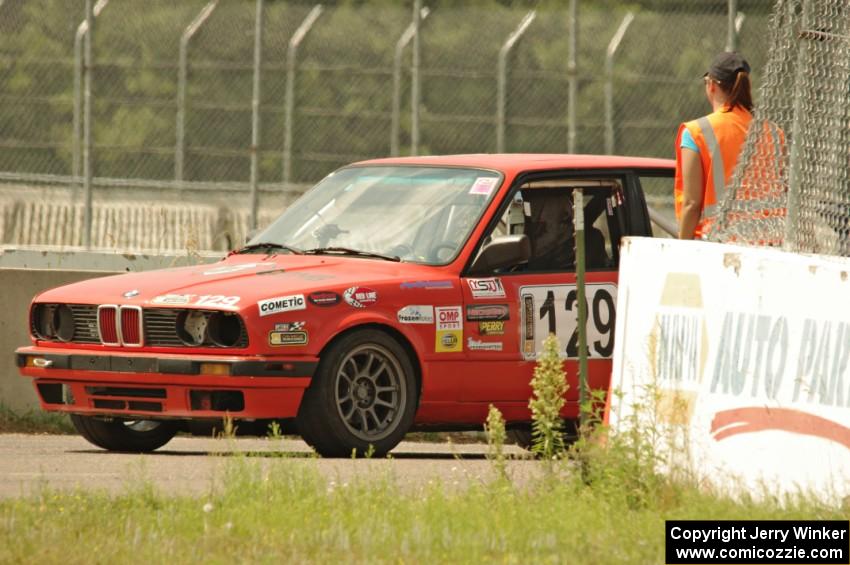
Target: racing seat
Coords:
[(549, 227), (596, 257)]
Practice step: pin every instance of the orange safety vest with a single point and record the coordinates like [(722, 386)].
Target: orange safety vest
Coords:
[(719, 137)]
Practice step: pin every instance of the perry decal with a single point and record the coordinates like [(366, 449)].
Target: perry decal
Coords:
[(281, 304), (491, 327)]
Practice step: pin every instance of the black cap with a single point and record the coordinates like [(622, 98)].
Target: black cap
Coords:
[(724, 68)]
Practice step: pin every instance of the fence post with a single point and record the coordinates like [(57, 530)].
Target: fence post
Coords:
[(732, 29), (289, 108), (578, 219), (613, 46), (572, 69), (182, 75), (415, 94), (82, 31), (255, 112), (502, 95), (401, 44), (87, 119)]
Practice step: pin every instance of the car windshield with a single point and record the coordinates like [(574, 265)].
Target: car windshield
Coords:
[(417, 214)]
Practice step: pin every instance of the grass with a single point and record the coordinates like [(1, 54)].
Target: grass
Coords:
[(295, 515), (33, 422)]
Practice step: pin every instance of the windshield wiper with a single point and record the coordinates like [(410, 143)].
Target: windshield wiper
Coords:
[(267, 245), (349, 251)]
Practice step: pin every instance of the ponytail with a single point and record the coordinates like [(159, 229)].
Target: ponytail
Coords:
[(739, 93)]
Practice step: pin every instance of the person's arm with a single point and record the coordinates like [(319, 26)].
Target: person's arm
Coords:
[(692, 193)]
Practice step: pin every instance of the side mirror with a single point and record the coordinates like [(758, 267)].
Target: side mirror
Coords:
[(502, 252)]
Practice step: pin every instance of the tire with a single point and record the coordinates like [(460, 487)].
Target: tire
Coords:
[(363, 396), (132, 436)]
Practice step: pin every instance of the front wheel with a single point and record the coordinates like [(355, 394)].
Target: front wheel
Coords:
[(133, 436), (362, 398)]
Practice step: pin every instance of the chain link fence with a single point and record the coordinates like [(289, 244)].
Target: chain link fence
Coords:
[(792, 184), (184, 105)]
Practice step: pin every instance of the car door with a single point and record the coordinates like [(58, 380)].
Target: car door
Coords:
[(509, 312)]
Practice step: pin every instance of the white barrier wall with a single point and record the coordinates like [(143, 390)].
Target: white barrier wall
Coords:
[(739, 356)]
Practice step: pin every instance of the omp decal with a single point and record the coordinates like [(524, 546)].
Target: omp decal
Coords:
[(360, 297), (476, 345), (491, 327), (449, 334), (289, 326), (231, 269), (324, 298), (416, 314), (728, 423), (484, 312), (486, 288), (287, 338), (281, 304), (427, 285), (173, 299)]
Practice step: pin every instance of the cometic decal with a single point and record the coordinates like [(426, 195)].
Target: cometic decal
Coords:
[(416, 315), (324, 298), (486, 288), (484, 312), (282, 304), (449, 334), (360, 297)]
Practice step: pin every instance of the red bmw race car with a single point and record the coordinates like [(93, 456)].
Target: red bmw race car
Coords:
[(397, 294)]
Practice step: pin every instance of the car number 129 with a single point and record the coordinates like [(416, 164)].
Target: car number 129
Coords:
[(554, 309)]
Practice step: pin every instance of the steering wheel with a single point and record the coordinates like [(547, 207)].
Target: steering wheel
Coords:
[(435, 250)]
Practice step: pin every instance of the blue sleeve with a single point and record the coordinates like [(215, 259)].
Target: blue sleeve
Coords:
[(688, 141)]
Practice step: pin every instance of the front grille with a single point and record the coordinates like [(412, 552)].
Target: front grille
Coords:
[(152, 327), (85, 323)]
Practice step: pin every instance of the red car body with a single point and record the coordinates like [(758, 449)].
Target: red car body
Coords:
[(293, 306)]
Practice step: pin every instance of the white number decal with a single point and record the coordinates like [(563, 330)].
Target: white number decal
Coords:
[(216, 300), (554, 309)]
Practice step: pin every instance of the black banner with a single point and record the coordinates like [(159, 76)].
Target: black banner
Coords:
[(754, 541)]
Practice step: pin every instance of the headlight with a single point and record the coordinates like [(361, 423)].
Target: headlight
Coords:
[(53, 321), (224, 329), (192, 327)]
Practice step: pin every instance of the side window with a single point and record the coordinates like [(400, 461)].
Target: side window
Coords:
[(543, 211)]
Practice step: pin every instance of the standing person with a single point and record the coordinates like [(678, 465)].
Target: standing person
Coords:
[(707, 149)]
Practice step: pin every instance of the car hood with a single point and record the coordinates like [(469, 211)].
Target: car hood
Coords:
[(249, 277)]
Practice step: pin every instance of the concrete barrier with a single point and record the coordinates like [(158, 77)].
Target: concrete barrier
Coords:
[(27, 272)]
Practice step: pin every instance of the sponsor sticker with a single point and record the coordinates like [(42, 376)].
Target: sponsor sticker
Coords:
[(483, 186), (484, 312), (486, 288), (277, 338), (173, 299), (491, 327), (231, 269), (427, 285), (449, 341), (416, 315), (476, 345), (324, 298), (449, 318), (528, 322), (281, 304), (360, 296), (290, 326)]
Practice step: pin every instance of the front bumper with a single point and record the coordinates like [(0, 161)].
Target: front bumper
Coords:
[(165, 386)]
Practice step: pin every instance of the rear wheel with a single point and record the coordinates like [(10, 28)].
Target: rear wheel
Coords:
[(363, 396), (135, 436)]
